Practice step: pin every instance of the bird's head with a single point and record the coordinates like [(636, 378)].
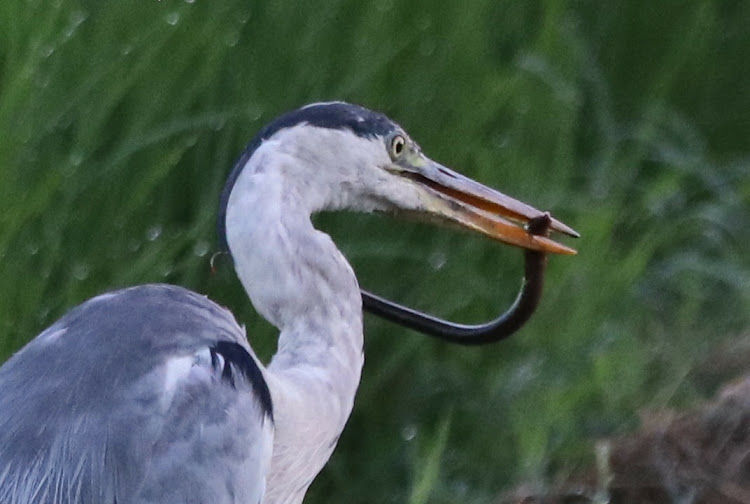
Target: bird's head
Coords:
[(345, 156)]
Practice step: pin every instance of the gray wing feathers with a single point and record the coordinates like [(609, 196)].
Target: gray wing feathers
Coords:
[(126, 400)]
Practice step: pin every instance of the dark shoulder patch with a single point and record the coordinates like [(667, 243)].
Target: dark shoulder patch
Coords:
[(334, 115), (237, 359)]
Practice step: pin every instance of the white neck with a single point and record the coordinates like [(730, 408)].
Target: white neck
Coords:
[(299, 281)]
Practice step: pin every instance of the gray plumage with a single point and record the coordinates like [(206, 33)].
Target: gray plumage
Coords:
[(150, 418)]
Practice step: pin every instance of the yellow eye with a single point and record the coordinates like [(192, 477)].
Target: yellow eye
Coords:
[(397, 146)]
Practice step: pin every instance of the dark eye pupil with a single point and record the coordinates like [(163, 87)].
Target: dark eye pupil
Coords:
[(398, 146)]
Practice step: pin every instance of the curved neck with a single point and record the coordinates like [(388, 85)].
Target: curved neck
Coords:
[(299, 281), (294, 274)]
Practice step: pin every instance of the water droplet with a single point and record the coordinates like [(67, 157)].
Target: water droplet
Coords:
[(80, 271), (172, 18), (76, 158), (189, 1), (134, 245), (47, 50), (126, 49), (502, 141), (166, 271), (409, 432), (76, 18), (438, 260), (32, 249), (232, 38), (153, 233), (219, 124), (201, 248)]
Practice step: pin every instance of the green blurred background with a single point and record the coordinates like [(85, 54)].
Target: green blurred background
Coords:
[(630, 120)]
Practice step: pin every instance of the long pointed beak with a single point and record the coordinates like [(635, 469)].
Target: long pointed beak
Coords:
[(460, 200)]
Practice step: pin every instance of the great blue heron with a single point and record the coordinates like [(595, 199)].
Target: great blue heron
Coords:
[(152, 394)]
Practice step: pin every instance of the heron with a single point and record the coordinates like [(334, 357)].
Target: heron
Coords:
[(152, 394)]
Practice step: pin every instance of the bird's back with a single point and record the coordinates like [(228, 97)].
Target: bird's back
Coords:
[(142, 395)]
